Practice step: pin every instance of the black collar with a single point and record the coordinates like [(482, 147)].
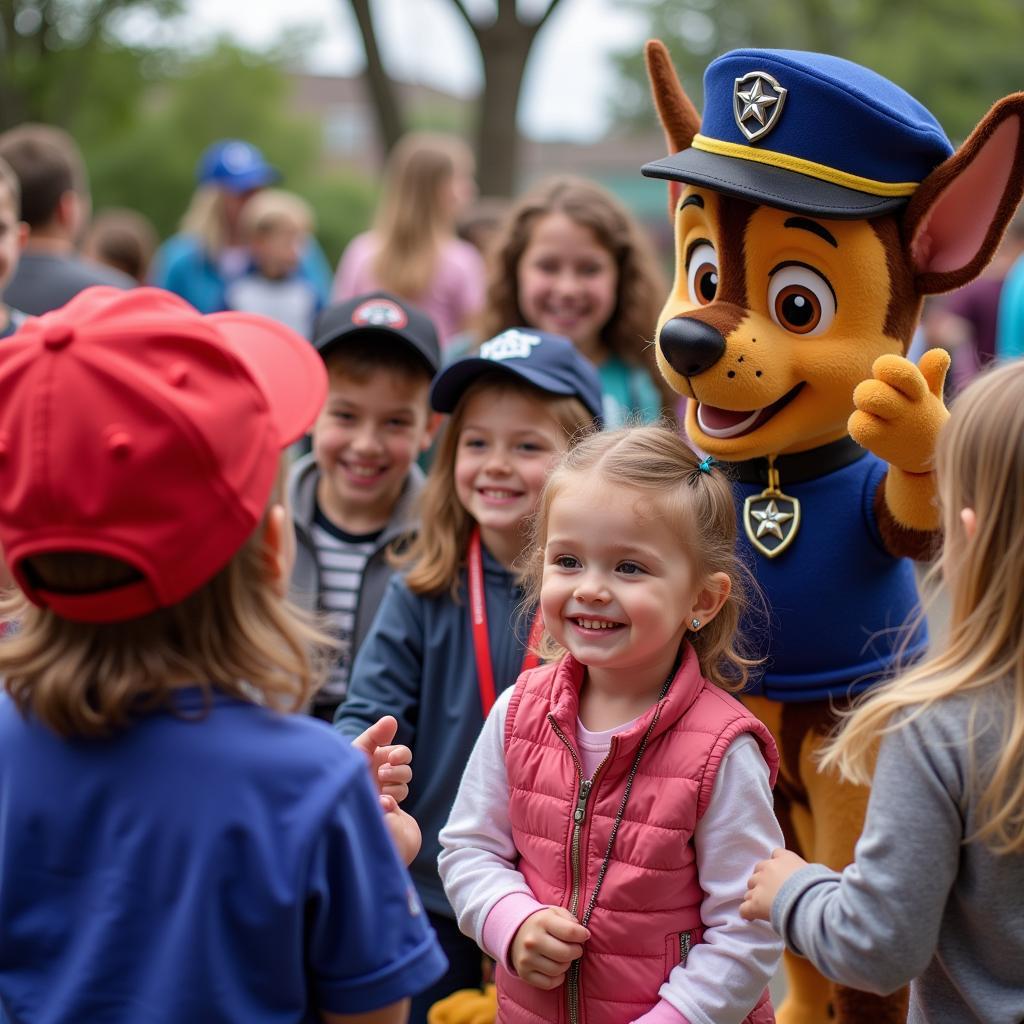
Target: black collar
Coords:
[(795, 469)]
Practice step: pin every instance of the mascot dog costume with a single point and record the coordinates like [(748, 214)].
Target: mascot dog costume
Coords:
[(814, 208)]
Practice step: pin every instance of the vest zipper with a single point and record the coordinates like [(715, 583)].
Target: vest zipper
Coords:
[(579, 816), (684, 947)]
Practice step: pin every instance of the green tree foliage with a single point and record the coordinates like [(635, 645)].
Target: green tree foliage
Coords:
[(60, 58), (142, 116), (226, 92), (956, 58)]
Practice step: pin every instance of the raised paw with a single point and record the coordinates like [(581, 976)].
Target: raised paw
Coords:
[(899, 411)]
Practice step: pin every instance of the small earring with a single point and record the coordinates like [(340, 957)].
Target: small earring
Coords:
[(695, 624)]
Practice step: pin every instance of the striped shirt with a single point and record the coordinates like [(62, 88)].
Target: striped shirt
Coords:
[(342, 558)]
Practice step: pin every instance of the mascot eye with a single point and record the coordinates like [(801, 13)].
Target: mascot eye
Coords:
[(702, 274), (800, 300)]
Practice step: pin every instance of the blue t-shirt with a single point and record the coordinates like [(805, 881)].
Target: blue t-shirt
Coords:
[(839, 604), (226, 868)]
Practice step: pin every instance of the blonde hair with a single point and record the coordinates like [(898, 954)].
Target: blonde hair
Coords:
[(655, 462), (641, 287), (439, 549), (979, 465), (272, 208), (411, 224), (9, 180), (233, 635), (205, 219)]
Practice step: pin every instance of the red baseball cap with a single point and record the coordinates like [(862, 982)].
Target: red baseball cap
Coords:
[(132, 426)]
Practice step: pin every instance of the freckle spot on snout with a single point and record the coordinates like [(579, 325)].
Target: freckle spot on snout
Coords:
[(731, 373), (757, 373)]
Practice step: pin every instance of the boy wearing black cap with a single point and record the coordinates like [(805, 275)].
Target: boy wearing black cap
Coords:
[(354, 495)]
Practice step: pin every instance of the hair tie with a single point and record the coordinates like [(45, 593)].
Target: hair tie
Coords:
[(706, 463)]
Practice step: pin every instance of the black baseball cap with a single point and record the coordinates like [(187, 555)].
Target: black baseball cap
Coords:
[(549, 362), (383, 314)]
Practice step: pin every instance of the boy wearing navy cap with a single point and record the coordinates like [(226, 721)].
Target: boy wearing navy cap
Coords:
[(354, 496), (176, 845)]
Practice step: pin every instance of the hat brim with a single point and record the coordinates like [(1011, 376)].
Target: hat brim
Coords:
[(770, 186), (451, 384), (288, 370)]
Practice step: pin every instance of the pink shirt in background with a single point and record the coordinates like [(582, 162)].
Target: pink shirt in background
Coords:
[(455, 295)]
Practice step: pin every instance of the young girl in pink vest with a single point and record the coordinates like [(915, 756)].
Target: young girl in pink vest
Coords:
[(618, 796)]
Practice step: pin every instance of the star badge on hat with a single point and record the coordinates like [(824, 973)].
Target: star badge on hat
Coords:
[(757, 100)]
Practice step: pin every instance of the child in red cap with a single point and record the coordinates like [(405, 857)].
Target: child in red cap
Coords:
[(175, 846)]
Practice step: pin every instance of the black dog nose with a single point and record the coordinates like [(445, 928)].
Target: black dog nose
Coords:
[(690, 346)]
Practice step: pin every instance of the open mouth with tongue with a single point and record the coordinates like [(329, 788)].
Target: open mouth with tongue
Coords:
[(716, 422)]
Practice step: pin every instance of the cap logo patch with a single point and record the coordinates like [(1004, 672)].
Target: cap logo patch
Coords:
[(379, 313), (511, 344), (757, 101)]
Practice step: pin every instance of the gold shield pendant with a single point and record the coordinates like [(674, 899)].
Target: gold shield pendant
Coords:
[(771, 518)]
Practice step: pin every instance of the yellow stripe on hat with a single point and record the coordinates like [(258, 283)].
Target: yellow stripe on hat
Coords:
[(807, 167)]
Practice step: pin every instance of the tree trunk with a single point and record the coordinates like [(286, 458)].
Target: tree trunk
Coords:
[(390, 123), (505, 48)]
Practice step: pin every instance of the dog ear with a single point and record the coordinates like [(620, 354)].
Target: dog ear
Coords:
[(956, 218), (679, 118)]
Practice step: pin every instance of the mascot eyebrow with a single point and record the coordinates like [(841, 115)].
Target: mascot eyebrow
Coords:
[(814, 227)]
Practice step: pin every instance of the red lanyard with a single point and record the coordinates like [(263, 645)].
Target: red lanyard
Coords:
[(481, 639)]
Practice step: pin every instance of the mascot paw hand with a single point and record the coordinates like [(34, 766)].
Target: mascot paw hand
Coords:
[(900, 411), (467, 1006)]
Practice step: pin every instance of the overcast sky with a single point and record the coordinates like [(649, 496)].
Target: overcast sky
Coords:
[(567, 79)]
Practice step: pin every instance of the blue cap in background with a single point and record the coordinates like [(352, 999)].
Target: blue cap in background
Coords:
[(810, 133), (235, 165), (549, 362)]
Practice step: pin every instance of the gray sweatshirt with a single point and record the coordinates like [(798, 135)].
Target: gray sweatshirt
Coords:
[(920, 902)]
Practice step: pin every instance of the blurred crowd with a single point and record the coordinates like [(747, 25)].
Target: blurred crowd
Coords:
[(567, 257)]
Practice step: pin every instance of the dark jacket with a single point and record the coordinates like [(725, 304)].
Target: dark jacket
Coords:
[(418, 664), (305, 582)]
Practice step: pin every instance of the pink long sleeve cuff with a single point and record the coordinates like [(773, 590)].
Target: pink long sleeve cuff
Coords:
[(662, 1013), (503, 922)]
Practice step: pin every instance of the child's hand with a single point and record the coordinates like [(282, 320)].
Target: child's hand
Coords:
[(405, 832), (765, 883), (390, 766), (545, 945)]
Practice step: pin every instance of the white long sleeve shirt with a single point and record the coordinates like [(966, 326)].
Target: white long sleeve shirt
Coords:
[(725, 974)]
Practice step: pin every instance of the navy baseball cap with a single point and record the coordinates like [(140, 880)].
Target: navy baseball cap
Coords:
[(810, 133), (549, 362), (235, 165), (383, 315)]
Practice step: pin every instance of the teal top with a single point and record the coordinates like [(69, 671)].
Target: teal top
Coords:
[(628, 394), (1010, 329)]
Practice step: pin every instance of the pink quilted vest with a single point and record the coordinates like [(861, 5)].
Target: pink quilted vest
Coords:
[(647, 915)]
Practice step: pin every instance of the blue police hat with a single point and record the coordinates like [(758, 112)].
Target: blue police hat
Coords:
[(547, 361), (809, 133), (235, 165)]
